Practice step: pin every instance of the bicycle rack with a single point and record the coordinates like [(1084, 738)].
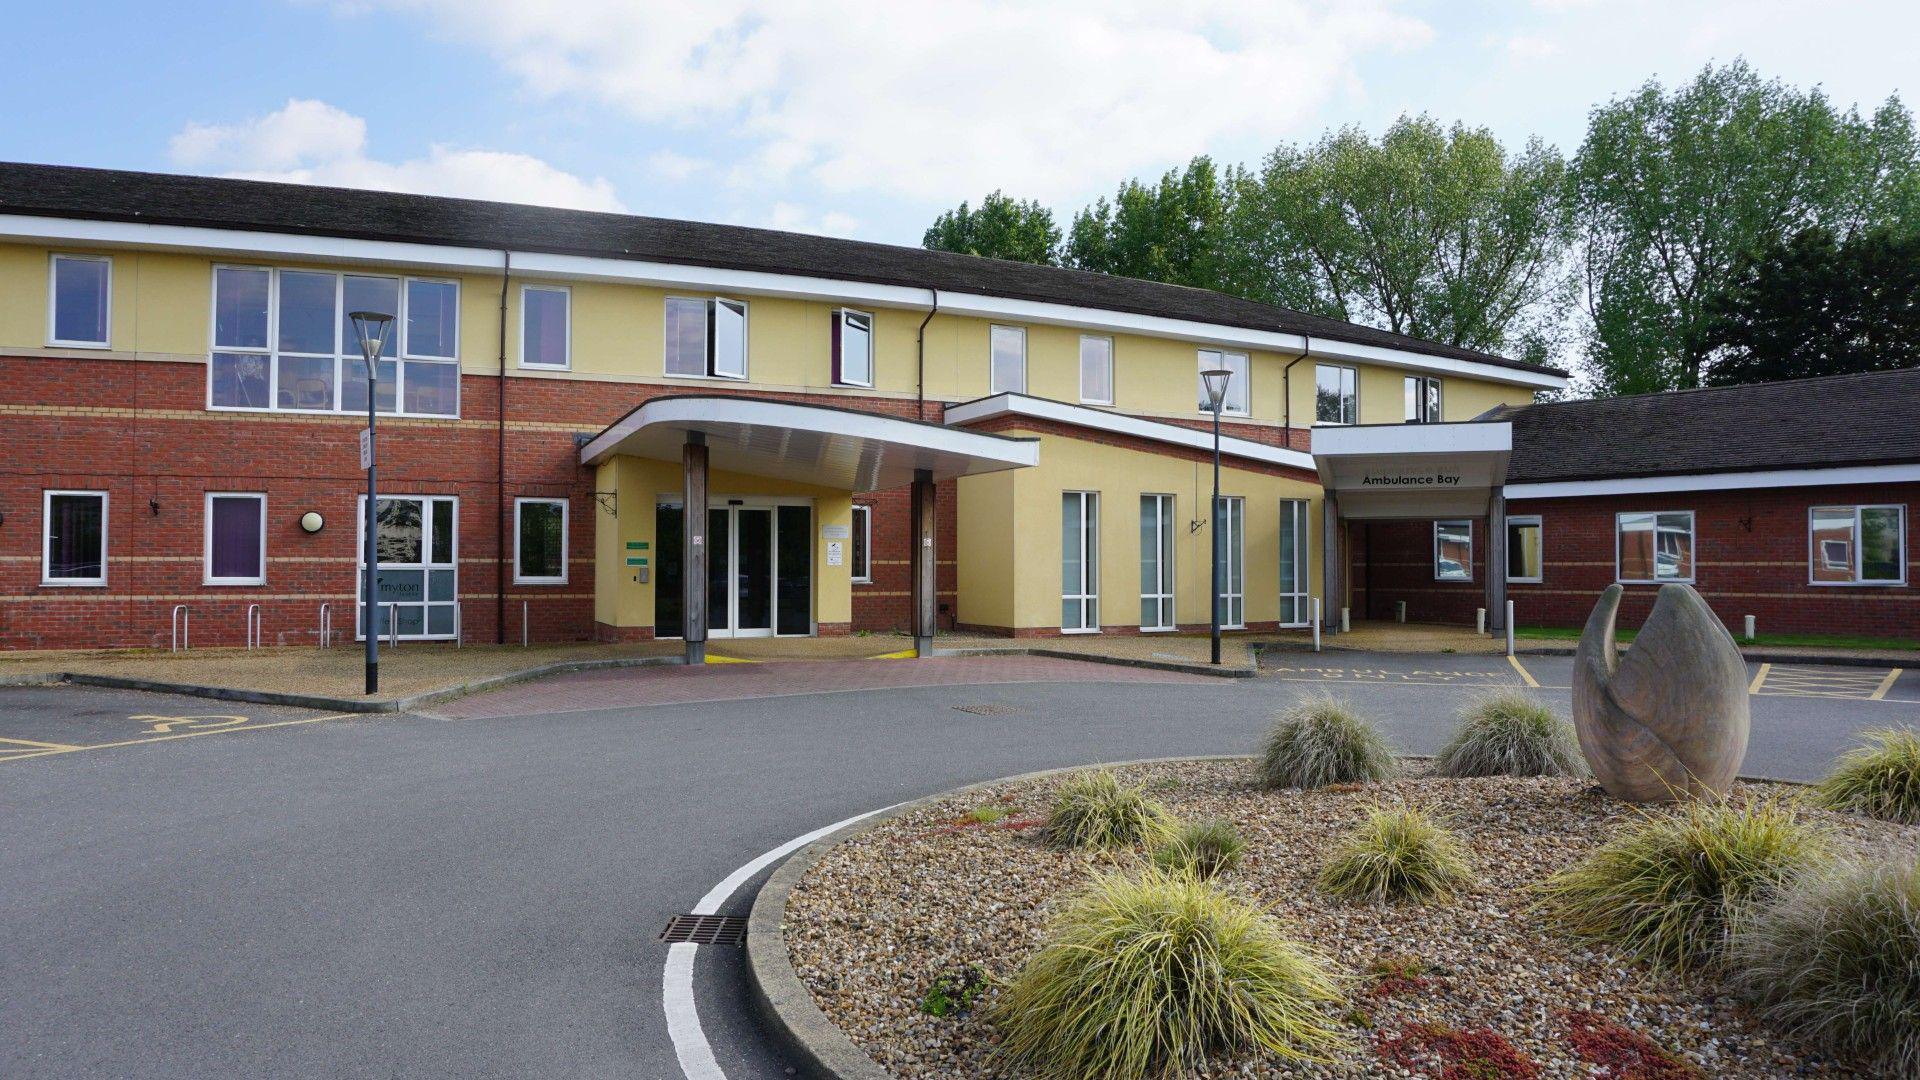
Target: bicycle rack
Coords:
[(255, 623), (523, 624), (393, 627), (182, 621), (326, 626), (459, 631)]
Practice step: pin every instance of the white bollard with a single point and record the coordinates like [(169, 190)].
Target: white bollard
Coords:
[(1400, 611), (1346, 625), (523, 624), (1509, 628), (1479, 620), (1316, 624), (1750, 628)]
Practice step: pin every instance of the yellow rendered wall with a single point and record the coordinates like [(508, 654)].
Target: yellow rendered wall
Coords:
[(984, 548)]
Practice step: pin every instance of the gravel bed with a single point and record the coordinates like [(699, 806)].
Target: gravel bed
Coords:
[(879, 917)]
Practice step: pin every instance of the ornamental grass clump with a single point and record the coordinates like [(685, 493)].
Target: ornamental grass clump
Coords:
[(1097, 810), (1881, 780), (1397, 854), (1835, 960), (1322, 741), (1150, 974), (1511, 733), (1670, 889), (1204, 849)]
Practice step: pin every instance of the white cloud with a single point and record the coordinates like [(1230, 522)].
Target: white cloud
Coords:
[(923, 101), (312, 142), (794, 218), (675, 166), (1531, 47)]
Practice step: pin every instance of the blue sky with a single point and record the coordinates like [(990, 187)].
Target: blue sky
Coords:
[(852, 118)]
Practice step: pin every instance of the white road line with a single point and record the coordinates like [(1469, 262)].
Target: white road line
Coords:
[(676, 983)]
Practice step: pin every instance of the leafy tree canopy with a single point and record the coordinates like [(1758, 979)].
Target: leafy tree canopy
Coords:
[(1001, 228)]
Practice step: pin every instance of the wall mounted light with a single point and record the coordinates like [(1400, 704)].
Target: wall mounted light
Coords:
[(312, 522), (154, 505)]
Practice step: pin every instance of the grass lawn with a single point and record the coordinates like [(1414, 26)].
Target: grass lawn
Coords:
[(1821, 641)]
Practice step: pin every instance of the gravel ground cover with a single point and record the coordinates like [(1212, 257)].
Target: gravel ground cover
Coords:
[(1478, 987)]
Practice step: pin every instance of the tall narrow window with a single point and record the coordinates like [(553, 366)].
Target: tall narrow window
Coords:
[(79, 307), (852, 348), (1296, 607), (1238, 391), (1652, 547), (1009, 361), (1422, 399), (1526, 550), (73, 538), (1096, 370), (1156, 562), (1858, 545), (544, 326), (706, 338), (1079, 561), (236, 539), (727, 332), (1336, 394), (431, 346), (1230, 515), (862, 543), (539, 541), (1453, 550)]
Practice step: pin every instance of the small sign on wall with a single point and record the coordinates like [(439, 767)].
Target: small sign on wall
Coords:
[(834, 532), (834, 548)]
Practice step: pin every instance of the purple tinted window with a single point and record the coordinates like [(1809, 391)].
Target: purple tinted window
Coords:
[(234, 537)]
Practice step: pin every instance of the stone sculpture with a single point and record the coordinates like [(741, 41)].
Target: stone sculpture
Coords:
[(1670, 719)]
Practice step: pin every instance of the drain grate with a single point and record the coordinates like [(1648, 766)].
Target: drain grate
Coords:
[(705, 929), (991, 708)]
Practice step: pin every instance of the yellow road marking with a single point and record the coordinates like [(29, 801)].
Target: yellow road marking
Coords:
[(160, 725), (713, 659), (903, 654), (1759, 679), (1524, 673), (1886, 684), (178, 735), (35, 745)]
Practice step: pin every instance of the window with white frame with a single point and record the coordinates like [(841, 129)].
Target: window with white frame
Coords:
[(1653, 547), (282, 340), (73, 538), (1238, 392), (852, 348), (1231, 515), (539, 541), (706, 337), (1857, 545), (236, 538), (1296, 603), (1526, 550), (1422, 393), (546, 330), (1156, 562), (1096, 370), (1453, 550), (1079, 561), (1336, 394), (416, 580), (1008, 364), (80, 301), (861, 541)]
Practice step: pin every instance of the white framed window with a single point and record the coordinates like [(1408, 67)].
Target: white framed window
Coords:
[(1526, 550), (706, 337), (539, 541), (1453, 550), (1096, 370), (417, 578), (73, 538), (852, 348), (546, 326), (283, 342), (1008, 365), (1422, 404), (1296, 603), (1079, 562), (861, 540), (1238, 388), (1156, 563), (235, 547), (80, 301), (1857, 545), (1336, 394), (1231, 514), (1653, 547)]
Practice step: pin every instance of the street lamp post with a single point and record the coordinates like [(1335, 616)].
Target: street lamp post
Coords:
[(1216, 380), (373, 328)]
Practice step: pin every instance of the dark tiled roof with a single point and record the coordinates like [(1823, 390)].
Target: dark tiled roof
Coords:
[(113, 195), (1869, 419)]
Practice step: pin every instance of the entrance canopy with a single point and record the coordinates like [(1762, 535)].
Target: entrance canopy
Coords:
[(809, 444), (1413, 470)]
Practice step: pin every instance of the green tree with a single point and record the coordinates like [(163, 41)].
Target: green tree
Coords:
[(1819, 305), (1173, 231), (1671, 191), (1002, 228)]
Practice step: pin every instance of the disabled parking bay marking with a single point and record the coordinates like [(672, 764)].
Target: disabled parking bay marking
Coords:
[(1411, 676)]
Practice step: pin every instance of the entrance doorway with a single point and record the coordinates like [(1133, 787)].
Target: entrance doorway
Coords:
[(759, 568)]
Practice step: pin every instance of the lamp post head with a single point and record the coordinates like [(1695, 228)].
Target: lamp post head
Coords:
[(1216, 380), (372, 328)]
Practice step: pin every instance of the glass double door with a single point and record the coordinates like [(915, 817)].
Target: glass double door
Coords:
[(759, 570)]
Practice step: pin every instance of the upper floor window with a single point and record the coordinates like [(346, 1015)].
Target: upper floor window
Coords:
[(1654, 547), (1336, 394), (1422, 399), (706, 337), (1453, 550), (1858, 545), (545, 326), (80, 301), (1009, 374), (1096, 370), (1238, 392), (852, 348), (282, 340)]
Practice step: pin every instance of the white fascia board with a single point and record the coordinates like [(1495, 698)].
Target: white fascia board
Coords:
[(1395, 439), (695, 409), (239, 243), (1120, 424), (1647, 485)]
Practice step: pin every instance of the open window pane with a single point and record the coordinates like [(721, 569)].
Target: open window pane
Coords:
[(433, 319), (729, 339), (235, 537), (686, 336), (1009, 361), (75, 538), (80, 288), (542, 540), (853, 348), (543, 332)]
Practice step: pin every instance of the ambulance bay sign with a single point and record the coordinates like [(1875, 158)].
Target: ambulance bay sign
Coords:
[(1391, 481)]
